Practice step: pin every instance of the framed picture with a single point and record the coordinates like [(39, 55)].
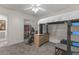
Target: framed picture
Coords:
[(2, 24)]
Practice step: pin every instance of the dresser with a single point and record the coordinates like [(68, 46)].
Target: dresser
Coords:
[(40, 39)]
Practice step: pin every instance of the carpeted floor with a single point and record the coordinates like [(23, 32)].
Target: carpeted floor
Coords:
[(23, 49)]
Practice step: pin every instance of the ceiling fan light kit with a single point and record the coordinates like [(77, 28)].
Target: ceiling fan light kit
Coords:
[(35, 8)]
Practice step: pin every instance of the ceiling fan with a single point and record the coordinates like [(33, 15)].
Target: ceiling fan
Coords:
[(35, 8)]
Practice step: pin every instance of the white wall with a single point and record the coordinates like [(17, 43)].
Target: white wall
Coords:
[(57, 32), (15, 25)]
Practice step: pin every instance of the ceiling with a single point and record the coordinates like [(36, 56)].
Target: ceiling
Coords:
[(50, 8)]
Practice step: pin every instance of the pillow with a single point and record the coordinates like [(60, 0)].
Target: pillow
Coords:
[(64, 41)]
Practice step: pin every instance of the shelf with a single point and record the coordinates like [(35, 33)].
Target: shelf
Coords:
[(75, 44), (75, 38), (74, 29), (75, 33), (75, 24)]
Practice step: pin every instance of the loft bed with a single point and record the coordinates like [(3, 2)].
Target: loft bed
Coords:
[(69, 19)]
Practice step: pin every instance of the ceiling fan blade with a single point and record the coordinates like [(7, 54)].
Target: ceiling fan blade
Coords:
[(42, 9), (28, 8)]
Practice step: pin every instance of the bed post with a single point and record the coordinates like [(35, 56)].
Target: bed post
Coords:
[(46, 28), (40, 28), (68, 37)]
